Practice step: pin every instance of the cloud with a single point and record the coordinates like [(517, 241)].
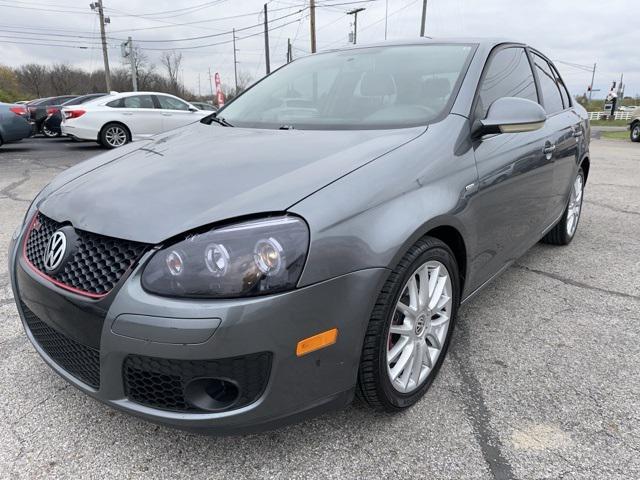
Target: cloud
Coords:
[(574, 31)]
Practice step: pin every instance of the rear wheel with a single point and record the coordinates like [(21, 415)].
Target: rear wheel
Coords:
[(565, 229), (114, 135), (410, 328), (49, 133), (635, 132)]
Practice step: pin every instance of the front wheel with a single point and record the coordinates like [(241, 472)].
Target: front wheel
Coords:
[(410, 328), (564, 231), (114, 135), (635, 132)]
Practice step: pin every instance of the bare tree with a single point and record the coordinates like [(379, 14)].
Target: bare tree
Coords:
[(172, 62), (33, 78), (245, 80)]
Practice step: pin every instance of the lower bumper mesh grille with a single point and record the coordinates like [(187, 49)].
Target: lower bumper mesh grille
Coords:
[(160, 382), (79, 360)]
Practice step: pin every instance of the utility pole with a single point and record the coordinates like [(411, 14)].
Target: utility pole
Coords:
[(423, 24), (235, 60), (211, 85), (593, 76), (355, 12), (312, 24), (621, 90), (266, 41), (386, 17), (129, 52), (107, 75), (289, 53), (132, 58)]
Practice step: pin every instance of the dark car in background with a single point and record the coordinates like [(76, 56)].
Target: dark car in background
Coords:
[(38, 109), (204, 106), (51, 125), (14, 125), (270, 262)]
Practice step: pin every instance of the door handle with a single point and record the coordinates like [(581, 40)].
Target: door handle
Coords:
[(127, 113), (166, 114), (549, 149)]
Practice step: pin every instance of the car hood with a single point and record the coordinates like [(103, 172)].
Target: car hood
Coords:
[(203, 174)]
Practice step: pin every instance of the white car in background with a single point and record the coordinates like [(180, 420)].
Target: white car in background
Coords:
[(115, 120)]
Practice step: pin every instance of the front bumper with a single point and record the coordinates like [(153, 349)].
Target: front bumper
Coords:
[(296, 386)]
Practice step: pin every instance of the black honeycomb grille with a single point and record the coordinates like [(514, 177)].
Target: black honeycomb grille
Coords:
[(97, 264), (160, 383), (79, 360)]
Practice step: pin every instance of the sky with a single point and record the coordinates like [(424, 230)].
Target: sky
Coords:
[(574, 33)]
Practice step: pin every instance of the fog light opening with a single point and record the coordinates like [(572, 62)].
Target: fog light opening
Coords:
[(212, 394)]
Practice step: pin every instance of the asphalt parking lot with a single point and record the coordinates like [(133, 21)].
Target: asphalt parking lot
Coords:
[(542, 379)]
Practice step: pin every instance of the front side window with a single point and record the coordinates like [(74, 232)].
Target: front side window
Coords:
[(372, 87), (170, 103), (551, 96), (508, 74)]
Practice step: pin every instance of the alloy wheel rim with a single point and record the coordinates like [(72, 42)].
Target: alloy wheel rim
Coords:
[(636, 132), (575, 205), (115, 136), (47, 132), (419, 326)]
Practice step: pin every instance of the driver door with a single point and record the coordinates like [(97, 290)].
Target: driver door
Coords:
[(515, 171)]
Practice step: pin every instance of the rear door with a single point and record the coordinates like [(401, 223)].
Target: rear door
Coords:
[(515, 176), (175, 112), (565, 131), (138, 112)]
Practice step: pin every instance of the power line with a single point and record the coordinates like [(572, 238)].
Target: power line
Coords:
[(226, 42), (220, 33)]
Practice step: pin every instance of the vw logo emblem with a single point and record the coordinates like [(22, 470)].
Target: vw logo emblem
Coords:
[(56, 248)]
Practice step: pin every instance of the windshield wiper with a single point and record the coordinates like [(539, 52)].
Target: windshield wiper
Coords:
[(219, 120), (286, 127)]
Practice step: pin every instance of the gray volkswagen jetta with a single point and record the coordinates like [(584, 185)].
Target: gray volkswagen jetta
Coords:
[(281, 256)]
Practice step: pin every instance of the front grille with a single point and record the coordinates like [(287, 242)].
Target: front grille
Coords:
[(97, 264), (160, 382), (79, 360)]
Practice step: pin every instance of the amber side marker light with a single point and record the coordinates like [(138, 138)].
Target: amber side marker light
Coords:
[(321, 340)]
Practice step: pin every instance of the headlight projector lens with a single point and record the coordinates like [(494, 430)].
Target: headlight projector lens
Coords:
[(269, 256), (216, 257)]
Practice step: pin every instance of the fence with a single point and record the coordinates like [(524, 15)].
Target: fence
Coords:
[(617, 115)]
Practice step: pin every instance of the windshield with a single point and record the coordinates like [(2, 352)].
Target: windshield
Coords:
[(376, 87)]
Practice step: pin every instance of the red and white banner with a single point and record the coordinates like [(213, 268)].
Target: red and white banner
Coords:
[(219, 94)]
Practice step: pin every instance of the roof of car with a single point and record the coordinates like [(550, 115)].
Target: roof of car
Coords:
[(484, 41)]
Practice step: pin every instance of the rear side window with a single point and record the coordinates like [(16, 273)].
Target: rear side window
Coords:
[(135, 101), (563, 88), (170, 103), (508, 75), (551, 96)]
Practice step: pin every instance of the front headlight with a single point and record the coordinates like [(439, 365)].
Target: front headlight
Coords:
[(245, 259)]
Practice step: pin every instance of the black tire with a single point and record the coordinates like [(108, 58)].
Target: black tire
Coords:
[(374, 387), (48, 133), (634, 134), (559, 234), (105, 139)]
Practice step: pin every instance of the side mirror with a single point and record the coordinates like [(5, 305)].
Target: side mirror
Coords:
[(511, 115), (193, 109)]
